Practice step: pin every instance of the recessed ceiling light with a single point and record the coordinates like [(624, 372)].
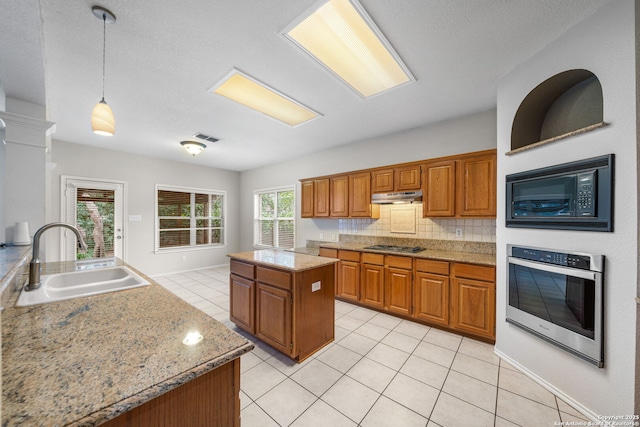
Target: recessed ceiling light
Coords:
[(343, 38), (251, 93)]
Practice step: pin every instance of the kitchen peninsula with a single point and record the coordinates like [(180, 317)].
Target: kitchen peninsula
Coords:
[(285, 299), (117, 358)]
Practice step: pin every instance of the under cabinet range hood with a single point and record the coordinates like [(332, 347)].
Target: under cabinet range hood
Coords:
[(396, 198)]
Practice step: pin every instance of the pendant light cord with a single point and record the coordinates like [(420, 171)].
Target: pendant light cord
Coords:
[(104, 48)]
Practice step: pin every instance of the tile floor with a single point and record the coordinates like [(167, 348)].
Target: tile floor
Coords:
[(379, 371)]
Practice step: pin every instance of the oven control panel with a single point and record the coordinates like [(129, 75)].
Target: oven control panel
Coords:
[(580, 261)]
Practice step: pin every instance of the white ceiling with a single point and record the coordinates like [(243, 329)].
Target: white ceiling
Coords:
[(163, 56)]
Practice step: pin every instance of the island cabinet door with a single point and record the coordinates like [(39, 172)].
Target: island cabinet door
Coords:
[(243, 303), (273, 324)]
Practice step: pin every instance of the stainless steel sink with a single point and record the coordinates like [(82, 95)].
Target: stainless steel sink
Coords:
[(64, 286)]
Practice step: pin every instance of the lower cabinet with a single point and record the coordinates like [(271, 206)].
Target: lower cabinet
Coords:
[(456, 296), (292, 311), (273, 313), (372, 280), (398, 283), (473, 294), (349, 275), (431, 292)]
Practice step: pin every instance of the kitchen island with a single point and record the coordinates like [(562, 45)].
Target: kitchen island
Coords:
[(285, 299), (117, 358)]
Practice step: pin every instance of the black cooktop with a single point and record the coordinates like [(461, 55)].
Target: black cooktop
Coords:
[(391, 248)]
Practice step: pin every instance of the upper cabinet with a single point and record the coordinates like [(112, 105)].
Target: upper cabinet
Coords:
[(407, 178), (360, 195), (403, 178), (477, 186), (461, 187), (339, 196), (382, 181)]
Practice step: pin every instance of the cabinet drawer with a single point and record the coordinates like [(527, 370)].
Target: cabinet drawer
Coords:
[(473, 271), (349, 256), (242, 269), (277, 278), (431, 266), (329, 253), (399, 261), (376, 259)]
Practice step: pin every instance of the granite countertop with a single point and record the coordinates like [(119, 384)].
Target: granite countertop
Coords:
[(9, 256), (286, 260), (83, 361), (437, 254)]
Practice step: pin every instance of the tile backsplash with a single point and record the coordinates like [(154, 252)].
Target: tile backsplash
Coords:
[(397, 221)]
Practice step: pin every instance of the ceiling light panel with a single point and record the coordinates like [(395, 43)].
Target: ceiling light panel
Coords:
[(343, 38), (251, 93)]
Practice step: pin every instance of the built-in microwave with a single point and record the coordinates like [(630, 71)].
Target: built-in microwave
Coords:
[(571, 196)]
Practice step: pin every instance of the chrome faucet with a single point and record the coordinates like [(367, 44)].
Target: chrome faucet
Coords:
[(34, 266)]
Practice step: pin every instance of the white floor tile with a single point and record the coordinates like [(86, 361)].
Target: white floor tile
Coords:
[(453, 412), (339, 358), (523, 411), (413, 394), (443, 339), (322, 415), (358, 343), (476, 368), (372, 374), (412, 329), (286, 402), (427, 372), (317, 377), (260, 379), (471, 390), (522, 385), (387, 413), (401, 342), (351, 398), (435, 354), (479, 350), (253, 416), (349, 323), (385, 320), (372, 331), (388, 356)]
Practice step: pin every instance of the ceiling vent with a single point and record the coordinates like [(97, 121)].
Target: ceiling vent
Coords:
[(206, 137)]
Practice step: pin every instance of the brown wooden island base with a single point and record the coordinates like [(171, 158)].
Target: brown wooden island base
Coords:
[(285, 299)]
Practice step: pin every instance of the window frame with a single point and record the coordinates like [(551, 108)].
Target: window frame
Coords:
[(257, 219), (193, 219)]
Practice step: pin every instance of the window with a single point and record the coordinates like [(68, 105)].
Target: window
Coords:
[(189, 218), (275, 218)]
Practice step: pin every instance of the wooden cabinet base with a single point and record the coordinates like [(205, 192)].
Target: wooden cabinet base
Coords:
[(212, 399)]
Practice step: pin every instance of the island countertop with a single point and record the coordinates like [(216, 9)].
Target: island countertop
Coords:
[(83, 361), (290, 261)]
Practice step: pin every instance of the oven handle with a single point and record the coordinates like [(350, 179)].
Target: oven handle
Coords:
[(567, 271)]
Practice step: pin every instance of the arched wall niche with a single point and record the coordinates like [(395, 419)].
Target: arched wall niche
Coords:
[(564, 105)]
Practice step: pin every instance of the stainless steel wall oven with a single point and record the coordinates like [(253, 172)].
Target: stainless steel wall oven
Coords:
[(558, 296)]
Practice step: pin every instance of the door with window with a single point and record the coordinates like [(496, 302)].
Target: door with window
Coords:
[(96, 208)]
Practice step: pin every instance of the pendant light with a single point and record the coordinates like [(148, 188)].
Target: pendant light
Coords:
[(102, 120)]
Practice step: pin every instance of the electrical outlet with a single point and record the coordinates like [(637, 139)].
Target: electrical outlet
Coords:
[(333, 237), (183, 258), (458, 233), (321, 236)]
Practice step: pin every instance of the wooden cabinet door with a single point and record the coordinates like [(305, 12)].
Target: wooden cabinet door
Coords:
[(242, 304), (439, 189), (307, 199), (407, 178), (360, 195), (477, 186), (431, 298), (372, 285), (397, 290), (273, 317), (348, 279), (321, 197), (382, 181), (340, 196), (473, 306)]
